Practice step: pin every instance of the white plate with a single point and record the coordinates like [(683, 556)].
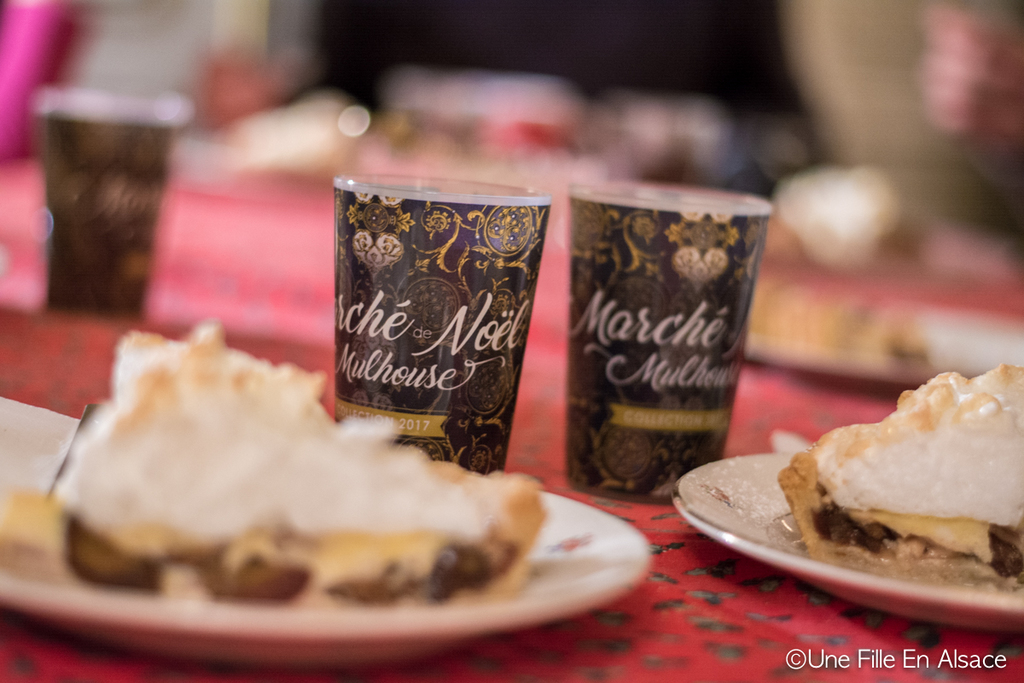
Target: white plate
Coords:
[(970, 343), (583, 558), (738, 502), (881, 370)]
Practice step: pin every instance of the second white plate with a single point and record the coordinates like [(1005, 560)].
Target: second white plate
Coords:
[(738, 502), (583, 558)]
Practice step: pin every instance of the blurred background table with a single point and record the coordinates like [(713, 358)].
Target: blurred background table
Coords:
[(258, 255)]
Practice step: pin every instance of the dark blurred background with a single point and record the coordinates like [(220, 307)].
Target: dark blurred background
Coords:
[(740, 94), (729, 49)]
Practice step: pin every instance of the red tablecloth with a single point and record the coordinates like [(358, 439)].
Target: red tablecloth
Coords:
[(260, 259)]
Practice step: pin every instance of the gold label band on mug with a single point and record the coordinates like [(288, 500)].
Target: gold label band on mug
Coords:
[(661, 420), (405, 424)]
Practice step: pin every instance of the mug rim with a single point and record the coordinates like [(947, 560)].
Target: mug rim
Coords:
[(676, 198), (449, 190), (169, 109)]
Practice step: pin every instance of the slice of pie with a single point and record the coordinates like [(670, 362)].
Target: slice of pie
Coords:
[(935, 490), (213, 474)]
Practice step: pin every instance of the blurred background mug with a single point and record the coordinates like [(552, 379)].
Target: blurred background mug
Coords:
[(662, 282), (105, 158)]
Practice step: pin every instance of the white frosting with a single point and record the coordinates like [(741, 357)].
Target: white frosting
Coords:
[(945, 473), (213, 442), (967, 461)]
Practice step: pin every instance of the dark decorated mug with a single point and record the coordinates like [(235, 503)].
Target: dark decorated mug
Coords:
[(435, 282), (662, 282)]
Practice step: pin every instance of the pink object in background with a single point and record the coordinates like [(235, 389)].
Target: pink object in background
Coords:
[(34, 39)]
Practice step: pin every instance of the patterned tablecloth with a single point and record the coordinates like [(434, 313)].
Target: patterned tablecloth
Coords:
[(259, 258)]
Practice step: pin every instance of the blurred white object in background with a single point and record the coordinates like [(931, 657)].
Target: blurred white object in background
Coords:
[(354, 120), (839, 215), (315, 136), (970, 343)]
